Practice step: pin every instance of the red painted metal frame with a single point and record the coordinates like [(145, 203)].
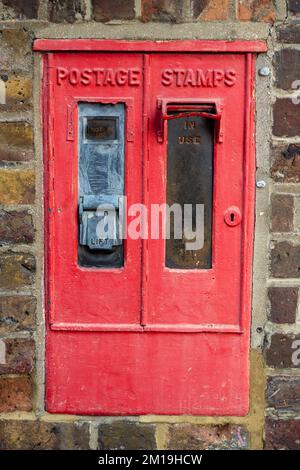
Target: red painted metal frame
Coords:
[(65, 303), (212, 297), (103, 369), (93, 45)]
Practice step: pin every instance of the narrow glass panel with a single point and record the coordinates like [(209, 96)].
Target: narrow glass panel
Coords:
[(101, 129), (190, 149), (101, 184)]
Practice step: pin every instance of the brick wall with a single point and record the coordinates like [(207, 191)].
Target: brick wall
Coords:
[(282, 428), (274, 418)]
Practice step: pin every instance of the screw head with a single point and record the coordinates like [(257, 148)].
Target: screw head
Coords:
[(260, 184), (264, 72)]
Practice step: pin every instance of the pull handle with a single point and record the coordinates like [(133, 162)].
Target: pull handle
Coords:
[(97, 213), (180, 110)]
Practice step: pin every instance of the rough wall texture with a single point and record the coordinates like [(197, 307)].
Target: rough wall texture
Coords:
[(273, 421)]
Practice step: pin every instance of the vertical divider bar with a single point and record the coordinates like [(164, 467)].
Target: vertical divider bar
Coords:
[(46, 183), (145, 187), (49, 149), (248, 194)]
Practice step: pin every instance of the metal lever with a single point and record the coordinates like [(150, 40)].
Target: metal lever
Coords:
[(98, 216)]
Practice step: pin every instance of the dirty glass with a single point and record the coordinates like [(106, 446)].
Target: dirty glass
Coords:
[(190, 147)]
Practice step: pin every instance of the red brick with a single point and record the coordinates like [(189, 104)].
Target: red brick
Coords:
[(211, 10), (257, 10), (285, 260), (19, 9), (10, 154), (283, 393), (17, 313), (41, 435), (287, 68), (282, 212), (162, 10), (286, 118), (283, 351), (15, 394), (66, 10), (289, 32), (17, 270), (106, 10), (294, 7), (125, 435), (282, 434), (285, 163), (283, 304), (16, 227), (206, 437), (16, 356)]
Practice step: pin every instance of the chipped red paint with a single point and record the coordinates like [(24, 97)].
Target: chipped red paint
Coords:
[(143, 338)]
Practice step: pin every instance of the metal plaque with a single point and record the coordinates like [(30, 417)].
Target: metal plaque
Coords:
[(101, 129), (190, 149)]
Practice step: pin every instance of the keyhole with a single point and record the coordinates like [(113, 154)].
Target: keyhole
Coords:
[(232, 216)]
